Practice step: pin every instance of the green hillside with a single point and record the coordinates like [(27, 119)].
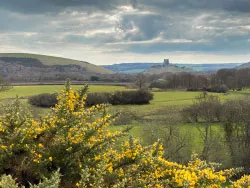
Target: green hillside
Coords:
[(51, 60), (171, 68)]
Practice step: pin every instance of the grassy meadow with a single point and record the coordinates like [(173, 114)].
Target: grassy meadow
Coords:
[(25, 91), (148, 122)]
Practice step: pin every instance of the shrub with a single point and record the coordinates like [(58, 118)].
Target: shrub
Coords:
[(43, 100), (131, 97), (97, 98), (117, 98), (206, 108), (77, 141), (218, 89)]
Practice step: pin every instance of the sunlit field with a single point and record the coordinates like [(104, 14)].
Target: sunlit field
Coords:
[(24, 91)]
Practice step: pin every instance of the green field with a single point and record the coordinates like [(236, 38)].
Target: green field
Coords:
[(24, 91)]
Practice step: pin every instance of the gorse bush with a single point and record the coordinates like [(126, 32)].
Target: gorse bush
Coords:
[(73, 147), (116, 98)]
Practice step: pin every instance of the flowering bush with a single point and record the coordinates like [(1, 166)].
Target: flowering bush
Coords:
[(73, 147)]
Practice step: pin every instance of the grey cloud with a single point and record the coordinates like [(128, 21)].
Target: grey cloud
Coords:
[(229, 5), (42, 6), (210, 25), (149, 26), (219, 46), (239, 6)]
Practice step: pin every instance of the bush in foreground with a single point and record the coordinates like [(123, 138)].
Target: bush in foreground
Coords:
[(73, 146)]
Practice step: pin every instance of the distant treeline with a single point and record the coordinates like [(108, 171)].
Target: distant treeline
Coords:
[(236, 79), (182, 80), (221, 81)]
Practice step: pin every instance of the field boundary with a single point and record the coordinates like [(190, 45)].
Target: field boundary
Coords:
[(72, 83)]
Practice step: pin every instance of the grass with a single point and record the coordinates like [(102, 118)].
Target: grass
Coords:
[(24, 91)]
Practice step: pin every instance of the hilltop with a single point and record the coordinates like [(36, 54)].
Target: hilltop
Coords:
[(167, 68), (34, 67)]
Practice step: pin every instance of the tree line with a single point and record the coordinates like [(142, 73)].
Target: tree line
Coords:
[(236, 79), (221, 81)]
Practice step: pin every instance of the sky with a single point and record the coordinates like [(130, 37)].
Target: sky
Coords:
[(114, 31)]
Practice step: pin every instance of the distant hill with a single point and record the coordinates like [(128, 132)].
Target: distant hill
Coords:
[(245, 65), (51, 60), (141, 67), (33, 67), (130, 67), (210, 67)]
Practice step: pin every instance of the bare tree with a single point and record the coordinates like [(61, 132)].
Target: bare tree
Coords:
[(140, 80)]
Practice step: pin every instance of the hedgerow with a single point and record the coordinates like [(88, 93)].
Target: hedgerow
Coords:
[(116, 98), (73, 147), (43, 100)]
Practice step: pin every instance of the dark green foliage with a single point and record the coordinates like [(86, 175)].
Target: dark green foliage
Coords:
[(131, 97), (218, 89), (120, 98), (97, 98), (43, 100), (117, 98), (161, 84), (94, 78)]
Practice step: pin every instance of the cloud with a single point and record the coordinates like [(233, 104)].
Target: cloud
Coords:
[(55, 6), (38, 6), (117, 27)]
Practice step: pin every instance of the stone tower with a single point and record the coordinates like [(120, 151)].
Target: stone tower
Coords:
[(166, 62)]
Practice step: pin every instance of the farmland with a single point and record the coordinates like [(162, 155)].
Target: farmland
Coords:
[(148, 122), (24, 91), (161, 98), (161, 119)]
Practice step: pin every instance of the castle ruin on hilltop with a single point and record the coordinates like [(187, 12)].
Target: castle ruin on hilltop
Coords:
[(166, 62)]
